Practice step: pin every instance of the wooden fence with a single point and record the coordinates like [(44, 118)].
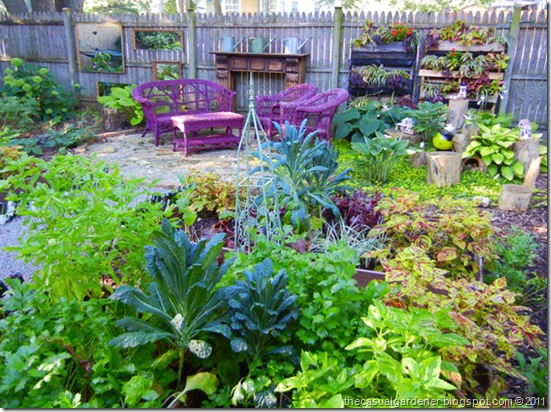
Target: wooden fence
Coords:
[(51, 40)]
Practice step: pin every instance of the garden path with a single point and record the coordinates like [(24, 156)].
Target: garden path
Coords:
[(137, 156)]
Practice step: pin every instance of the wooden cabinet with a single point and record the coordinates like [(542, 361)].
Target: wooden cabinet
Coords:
[(292, 66), (392, 56)]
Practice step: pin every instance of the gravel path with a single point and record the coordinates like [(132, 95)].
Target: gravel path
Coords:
[(137, 157), (9, 264)]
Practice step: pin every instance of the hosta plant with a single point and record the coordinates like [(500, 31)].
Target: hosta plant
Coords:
[(429, 118), (494, 146), (366, 119), (182, 300), (121, 99), (377, 156)]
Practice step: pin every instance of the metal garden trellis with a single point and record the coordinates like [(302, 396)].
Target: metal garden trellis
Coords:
[(254, 213)]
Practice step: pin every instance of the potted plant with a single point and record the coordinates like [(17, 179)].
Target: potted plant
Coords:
[(463, 35), (396, 33), (429, 118)]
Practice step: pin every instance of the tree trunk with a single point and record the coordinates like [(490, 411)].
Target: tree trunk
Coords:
[(443, 168), (217, 7), (76, 6), (532, 174), (15, 6), (42, 5)]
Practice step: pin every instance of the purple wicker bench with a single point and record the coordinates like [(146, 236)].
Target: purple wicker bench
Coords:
[(188, 105)]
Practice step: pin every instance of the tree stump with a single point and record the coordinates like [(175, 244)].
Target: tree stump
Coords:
[(456, 111), (515, 197), (463, 139), (532, 174), (443, 168), (114, 119), (418, 159), (526, 151)]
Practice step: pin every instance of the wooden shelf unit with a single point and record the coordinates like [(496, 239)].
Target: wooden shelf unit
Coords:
[(445, 47)]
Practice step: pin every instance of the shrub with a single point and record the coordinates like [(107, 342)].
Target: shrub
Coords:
[(16, 114), (87, 225), (28, 82), (55, 354)]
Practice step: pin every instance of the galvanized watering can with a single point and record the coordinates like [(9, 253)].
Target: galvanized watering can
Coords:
[(258, 44), (228, 45), (291, 46)]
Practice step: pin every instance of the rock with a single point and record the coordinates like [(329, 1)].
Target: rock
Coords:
[(110, 149), (482, 201)]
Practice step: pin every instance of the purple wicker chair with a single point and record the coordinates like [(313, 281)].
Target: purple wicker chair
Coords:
[(268, 107), (318, 111), (163, 99)]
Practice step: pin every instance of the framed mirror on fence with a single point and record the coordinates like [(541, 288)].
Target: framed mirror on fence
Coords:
[(100, 48), (156, 39), (166, 70)]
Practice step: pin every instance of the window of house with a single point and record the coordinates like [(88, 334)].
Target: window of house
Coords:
[(232, 6)]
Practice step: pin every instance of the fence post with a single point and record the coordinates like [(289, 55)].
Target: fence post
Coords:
[(337, 45), (71, 47), (192, 43), (514, 28)]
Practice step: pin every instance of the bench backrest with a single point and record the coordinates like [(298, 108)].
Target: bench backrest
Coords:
[(183, 95)]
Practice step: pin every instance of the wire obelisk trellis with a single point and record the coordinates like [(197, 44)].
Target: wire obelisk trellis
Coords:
[(254, 212)]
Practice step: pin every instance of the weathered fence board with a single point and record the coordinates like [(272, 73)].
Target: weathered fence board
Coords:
[(40, 38)]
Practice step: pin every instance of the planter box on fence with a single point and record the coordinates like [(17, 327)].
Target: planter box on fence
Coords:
[(446, 46), (392, 56)]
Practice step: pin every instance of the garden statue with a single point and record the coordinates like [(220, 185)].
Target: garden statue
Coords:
[(406, 125), (443, 140), (525, 127)]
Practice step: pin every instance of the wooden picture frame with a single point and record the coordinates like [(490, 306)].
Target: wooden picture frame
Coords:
[(158, 39), (166, 70), (99, 47)]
